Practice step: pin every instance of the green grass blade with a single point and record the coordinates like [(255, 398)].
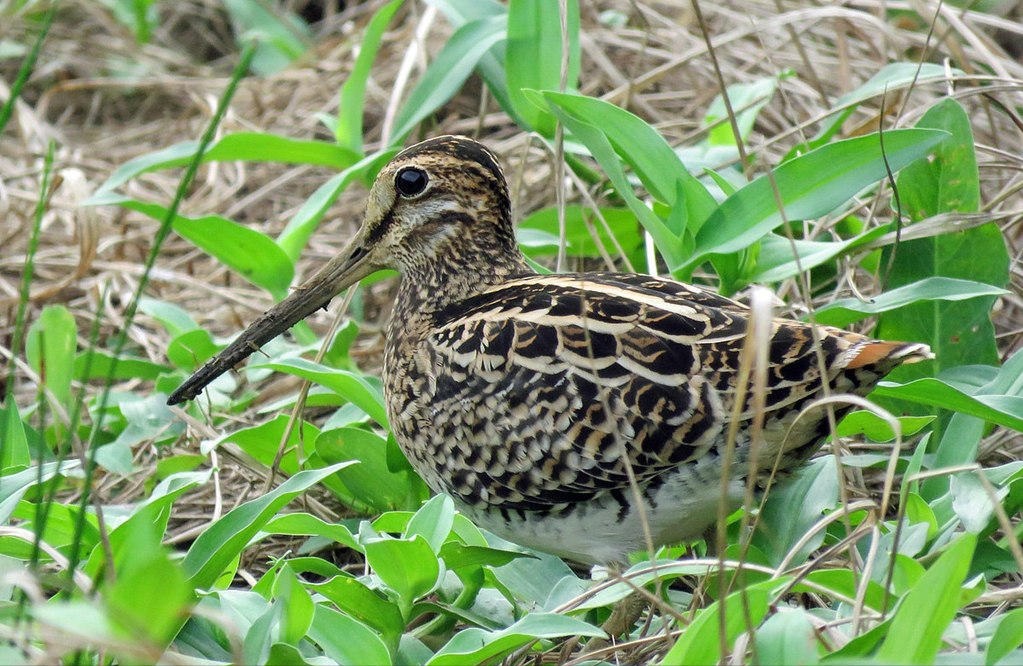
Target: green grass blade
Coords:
[(244, 146), (447, 73), (353, 92), (534, 56), (27, 65), (848, 310), (222, 541), (251, 254), (928, 608), (810, 186)]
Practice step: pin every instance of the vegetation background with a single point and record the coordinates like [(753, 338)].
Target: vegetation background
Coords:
[(240, 530)]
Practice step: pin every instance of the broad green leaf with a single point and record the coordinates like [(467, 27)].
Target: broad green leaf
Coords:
[(959, 332), (346, 640), (298, 608), (845, 582), (787, 637), (878, 429), (700, 642), (101, 364), (300, 227), (534, 52), (845, 311), (14, 453), (50, 349), (433, 521), (776, 261), (246, 251), (306, 524), (647, 153), (409, 567), (173, 317), (747, 100), (491, 65), (538, 233), (365, 605), (596, 141), (888, 79), (478, 646), (353, 91), (351, 386), (212, 552), (150, 595), (791, 509), (1005, 410), (810, 186), (961, 437), (1008, 637), (280, 36), (928, 608), (371, 486), (263, 441), (244, 146), (447, 73), (191, 349)]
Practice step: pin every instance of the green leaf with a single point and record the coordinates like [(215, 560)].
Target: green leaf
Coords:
[(596, 141), (788, 637), (747, 100), (538, 233), (477, 646), (845, 311), (365, 605), (100, 364), (280, 37), (433, 522), (370, 486), (534, 56), (874, 427), (14, 453), (297, 613), (1004, 410), (50, 349), (263, 441), (640, 146), (447, 73), (776, 262), (346, 640), (810, 186), (491, 65), (928, 608), (246, 251), (139, 606), (409, 567), (961, 332), (353, 91), (295, 235), (212, 552), (306, 524), (1008, 637), (244, 146), (791, 509), (700, 642), (351, 386)]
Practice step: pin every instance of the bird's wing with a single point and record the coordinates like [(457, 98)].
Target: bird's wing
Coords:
[(553, 386)]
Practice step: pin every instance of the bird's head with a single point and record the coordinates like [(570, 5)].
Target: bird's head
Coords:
[(439, 208)]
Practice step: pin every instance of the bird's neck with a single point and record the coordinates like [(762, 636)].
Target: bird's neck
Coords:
[(434, 285)]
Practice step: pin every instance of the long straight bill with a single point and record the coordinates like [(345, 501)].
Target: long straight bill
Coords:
[(340, 273)]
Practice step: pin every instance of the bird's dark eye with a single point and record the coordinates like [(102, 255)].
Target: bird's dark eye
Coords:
[(411, 181)]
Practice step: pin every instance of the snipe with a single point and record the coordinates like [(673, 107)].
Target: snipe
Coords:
[(525, 397)]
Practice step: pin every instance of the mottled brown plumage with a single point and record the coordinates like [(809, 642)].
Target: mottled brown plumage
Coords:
[(527, 397)]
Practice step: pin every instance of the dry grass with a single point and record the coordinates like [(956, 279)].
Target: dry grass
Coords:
[(104, 99)]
